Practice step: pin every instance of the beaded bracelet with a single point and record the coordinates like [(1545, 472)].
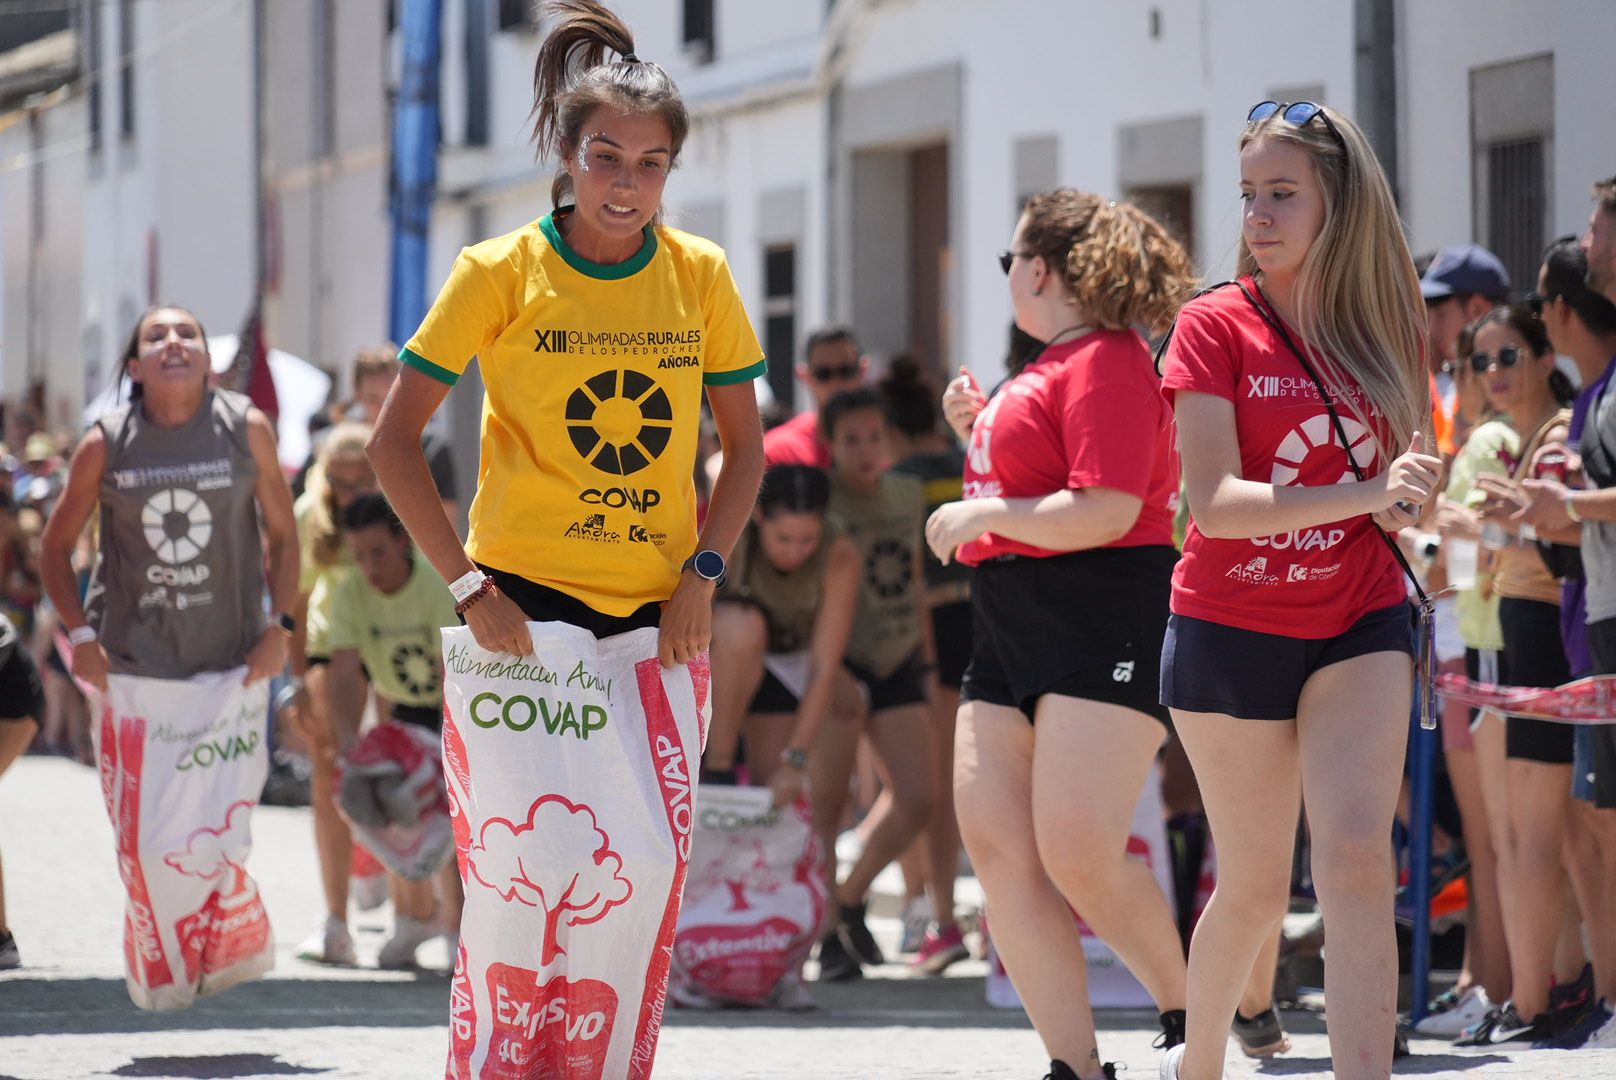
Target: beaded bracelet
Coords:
[(476, 594)]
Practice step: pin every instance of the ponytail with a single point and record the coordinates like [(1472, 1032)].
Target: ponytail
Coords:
[(572, 78)]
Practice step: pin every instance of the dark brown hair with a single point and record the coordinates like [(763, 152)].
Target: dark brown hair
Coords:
[(571, 79), (1118, 263), (131, 349)]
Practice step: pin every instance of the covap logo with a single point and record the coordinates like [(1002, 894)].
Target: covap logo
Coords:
[(178, 525), (1313, 434), (619, 421)]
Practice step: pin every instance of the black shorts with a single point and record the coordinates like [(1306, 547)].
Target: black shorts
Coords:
[(540, 603), (905, 686), (1212, 668), (951, 629), (22, 694), (1534, 656), (773, 696), (1602, 643), (1087, 624), (425, 716)]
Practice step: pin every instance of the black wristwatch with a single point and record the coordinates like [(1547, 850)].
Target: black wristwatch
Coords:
[(283, 621), (795, 756), (708, 565)]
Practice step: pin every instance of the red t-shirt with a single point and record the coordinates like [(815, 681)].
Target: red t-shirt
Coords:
[(797, 442), (1087, 413), (1312, 583)]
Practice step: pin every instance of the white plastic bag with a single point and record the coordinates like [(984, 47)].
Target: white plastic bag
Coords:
[(1111, 984), (753, 902), (392, 796), (182, 763), (572, 778)]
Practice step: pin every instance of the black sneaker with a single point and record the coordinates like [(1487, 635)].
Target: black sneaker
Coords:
[(1503, 1024), (1262, 1035), (1172, 1029), (836, 964), (1570, 1003), (1059, 1070), (857, 937), (9, 956)]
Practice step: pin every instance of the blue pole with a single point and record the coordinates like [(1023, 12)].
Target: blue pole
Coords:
[(415, 164), (1422, 808)]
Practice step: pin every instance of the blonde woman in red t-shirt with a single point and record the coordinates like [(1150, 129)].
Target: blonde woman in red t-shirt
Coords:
[(1288, 658), (1070, 490)]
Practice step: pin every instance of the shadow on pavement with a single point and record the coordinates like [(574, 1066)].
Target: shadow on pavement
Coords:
[(213, 1067), (1413, 1065), (102, 1006)]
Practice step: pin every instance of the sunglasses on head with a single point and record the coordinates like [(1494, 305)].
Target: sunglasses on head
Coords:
[(1507, 357), (1295, 113), (834, 371)]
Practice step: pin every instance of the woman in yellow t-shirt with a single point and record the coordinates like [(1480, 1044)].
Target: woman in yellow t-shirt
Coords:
[(597, 329)]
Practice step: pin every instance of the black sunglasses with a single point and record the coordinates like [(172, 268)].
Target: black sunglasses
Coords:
[(1507, 357), (1537, 301), (1007, 259), (1295, 113), (837, 371)]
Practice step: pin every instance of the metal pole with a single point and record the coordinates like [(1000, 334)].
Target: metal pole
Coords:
[(415, 163), (1422, 749)]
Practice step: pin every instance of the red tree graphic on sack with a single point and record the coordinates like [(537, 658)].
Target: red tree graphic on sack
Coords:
[(559, 859), (208, 851)]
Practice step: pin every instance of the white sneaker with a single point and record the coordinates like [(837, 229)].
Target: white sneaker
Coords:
[(331, 944), (1171, 1061), (1604, 1038), (1469, 1010), (917, 917), (398, 953)]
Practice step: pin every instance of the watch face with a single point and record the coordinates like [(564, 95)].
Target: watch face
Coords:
[(709, 564)]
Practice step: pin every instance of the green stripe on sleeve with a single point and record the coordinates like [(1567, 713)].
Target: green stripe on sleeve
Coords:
[(730, 378), (427, 367)]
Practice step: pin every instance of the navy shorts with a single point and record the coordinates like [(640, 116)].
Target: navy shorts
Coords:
[(22, 693), (1212, 668), (905, 686)]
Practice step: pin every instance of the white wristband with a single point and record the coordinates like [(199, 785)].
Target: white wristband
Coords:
[(466, 584), (82, 635)]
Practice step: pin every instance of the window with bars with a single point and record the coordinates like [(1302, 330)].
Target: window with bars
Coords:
[(126, 68), (700, 30), (517, 15), (1517, 206), (1174, 206), (780, 318), (92, 69)]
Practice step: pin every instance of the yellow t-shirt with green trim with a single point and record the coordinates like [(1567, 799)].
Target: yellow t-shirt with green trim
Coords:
[(594, 377)]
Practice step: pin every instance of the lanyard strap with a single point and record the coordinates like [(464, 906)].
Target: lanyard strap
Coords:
[(1340, 429)]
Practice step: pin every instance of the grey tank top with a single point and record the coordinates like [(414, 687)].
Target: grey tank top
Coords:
[(178, 587)]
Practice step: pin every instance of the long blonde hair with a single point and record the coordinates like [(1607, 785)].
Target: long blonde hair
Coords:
[(345, 443), (1357, 297)]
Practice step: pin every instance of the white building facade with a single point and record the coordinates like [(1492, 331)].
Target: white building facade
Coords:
[(863, 161)]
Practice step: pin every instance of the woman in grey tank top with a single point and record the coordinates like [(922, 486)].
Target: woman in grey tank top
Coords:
[(187, 481)]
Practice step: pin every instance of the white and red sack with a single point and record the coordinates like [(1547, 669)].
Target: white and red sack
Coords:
[(391, 792), (1111, 984), (754, 900), (572, 780), (182, 763)]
